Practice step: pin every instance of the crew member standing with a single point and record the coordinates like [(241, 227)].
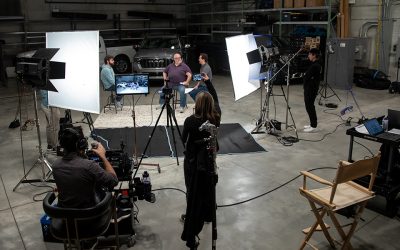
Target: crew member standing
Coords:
[(311, 81)]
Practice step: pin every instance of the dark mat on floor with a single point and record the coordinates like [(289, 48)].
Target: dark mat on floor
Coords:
[(232, 139)]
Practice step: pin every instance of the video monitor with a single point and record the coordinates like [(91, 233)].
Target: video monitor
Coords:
[(197, 77), (132, 84)]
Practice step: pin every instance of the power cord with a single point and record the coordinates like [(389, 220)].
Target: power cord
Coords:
[(272, 190), (325, 135), (370, 151), (253, 198)]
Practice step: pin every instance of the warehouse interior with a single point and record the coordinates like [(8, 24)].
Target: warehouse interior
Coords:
[(260, 198)]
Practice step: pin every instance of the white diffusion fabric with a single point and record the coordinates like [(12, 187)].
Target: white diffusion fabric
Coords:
[(80, 53), (241, 70)]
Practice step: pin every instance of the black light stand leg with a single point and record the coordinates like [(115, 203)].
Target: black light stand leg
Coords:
[(289, 111), (41, 161), (358, 107), (323, 92), (264, 113), (169, 121), (135, 141), (149, 140)]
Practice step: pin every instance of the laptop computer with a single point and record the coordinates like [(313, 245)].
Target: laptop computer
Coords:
[(375, 129)]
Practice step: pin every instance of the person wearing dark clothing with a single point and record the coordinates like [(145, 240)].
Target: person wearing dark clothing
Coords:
[(311, 81), (212, 92), (198, 168), (79, 180)]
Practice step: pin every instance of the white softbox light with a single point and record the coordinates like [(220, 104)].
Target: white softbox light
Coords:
[(80, 88), (244, 75)]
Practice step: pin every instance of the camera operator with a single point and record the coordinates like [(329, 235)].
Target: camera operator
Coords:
[(177, 75), (79, 180), (196, 168)]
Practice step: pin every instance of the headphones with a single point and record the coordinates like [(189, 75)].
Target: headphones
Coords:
[(80, 141)]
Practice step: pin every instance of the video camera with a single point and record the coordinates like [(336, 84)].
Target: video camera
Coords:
[(139, 188), (119, 160)]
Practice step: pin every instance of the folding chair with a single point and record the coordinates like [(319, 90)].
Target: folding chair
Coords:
[(339, 194)]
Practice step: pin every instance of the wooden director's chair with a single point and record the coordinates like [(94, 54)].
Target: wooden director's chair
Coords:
[(339, 194)]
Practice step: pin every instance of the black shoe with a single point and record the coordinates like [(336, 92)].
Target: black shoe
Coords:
[(196, 244), (193, 245)]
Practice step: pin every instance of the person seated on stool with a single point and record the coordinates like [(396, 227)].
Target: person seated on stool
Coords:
[(107, 77), (204, 69), (79, 180), (177, 76)]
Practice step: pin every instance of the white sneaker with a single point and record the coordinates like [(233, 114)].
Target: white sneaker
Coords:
[(181, 109), (307, 126), (310, 130)]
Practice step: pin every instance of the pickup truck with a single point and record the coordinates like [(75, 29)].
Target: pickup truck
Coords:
[(155, 53), (123, 56)]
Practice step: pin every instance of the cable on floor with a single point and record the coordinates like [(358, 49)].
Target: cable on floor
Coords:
[(325, 135), (272, 190), (370, 151)]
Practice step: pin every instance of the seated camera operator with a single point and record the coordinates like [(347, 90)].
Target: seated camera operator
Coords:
[(79, 180)]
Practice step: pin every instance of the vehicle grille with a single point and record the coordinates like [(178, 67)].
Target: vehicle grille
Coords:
[(155, 62)]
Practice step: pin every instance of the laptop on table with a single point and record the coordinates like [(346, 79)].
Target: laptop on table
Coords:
[(375, 129)]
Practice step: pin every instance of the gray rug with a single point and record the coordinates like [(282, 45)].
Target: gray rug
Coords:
[(145, 115)]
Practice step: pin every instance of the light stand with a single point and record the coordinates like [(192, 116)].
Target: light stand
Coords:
[(358, 107), (41, 161), (264, 116), (170, 117), (323, 91), (135, 143)]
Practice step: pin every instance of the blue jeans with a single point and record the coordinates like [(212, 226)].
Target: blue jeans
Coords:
[(194, 92), (182, 95)]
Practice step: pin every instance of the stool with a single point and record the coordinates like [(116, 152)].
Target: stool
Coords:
[(176, 100), (111, 103)]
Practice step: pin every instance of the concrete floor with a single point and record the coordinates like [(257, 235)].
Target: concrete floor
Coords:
[(273, 221)]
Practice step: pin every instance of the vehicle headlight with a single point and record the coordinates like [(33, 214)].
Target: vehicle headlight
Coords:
[(137, 59)]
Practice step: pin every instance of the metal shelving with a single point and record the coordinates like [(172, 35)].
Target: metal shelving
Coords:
[(228, 19)]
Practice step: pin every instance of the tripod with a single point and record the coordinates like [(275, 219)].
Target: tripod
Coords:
[(41, 161), (323, 91), (170, 117), (264, 114), (135, 143)]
